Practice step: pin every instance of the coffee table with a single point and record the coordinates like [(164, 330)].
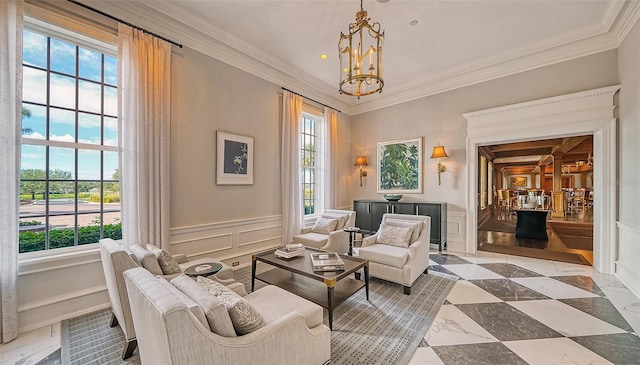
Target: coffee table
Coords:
[(295, 275)]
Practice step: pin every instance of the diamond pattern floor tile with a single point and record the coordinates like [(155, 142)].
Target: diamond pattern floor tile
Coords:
[(528, 311)]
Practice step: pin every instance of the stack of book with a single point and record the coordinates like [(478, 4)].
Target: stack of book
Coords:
[(290, 250), (327, 261)]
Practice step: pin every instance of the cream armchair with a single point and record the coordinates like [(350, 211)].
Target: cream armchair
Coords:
[(170, 333), (337, 240), (116, 259), (402, 265)]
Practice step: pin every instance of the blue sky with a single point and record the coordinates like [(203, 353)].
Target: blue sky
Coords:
[(63, 94)]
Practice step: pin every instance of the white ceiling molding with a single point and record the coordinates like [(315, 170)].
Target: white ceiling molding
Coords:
[(199, 36), (164, 17), (627, 19)]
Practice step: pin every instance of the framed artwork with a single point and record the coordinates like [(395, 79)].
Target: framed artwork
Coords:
[(518, 181), (234, 159), (400, 166)]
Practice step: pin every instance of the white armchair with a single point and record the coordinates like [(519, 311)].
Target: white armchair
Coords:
[(169, 331), (335, 240), (116, 259), (389, 259)]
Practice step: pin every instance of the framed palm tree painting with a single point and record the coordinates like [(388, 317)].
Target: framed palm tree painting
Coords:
[(400, 166)]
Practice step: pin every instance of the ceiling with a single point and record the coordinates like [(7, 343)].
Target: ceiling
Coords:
[(453, 44), (529, 157)]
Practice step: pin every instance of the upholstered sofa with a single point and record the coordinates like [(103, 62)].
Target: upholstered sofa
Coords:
[(171, 330), (335, 240), (402, 265), (116, 258)]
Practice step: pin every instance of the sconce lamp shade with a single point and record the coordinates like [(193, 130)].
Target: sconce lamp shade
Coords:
[(438, 152), (361, 161)]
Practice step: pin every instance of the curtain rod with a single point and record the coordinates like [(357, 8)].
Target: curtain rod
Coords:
[(124, 22), (315, 101)]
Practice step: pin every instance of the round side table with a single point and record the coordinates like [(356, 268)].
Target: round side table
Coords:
[(352, 235), (203, 270)]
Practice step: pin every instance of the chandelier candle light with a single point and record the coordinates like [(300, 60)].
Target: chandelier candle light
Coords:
[(361, 57)]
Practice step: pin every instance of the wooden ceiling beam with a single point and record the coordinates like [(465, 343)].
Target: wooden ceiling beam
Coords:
[(568, 144), (545, 160), (520, 146), (520, 153)]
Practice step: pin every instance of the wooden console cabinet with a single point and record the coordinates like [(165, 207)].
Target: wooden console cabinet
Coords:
[(369, 215)]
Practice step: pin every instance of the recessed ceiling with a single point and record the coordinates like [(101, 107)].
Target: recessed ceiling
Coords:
[(450, 39)]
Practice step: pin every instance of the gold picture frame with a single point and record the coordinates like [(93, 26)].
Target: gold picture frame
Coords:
[(518, 181)]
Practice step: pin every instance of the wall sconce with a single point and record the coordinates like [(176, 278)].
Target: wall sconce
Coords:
[(361, 161), (438, 152)]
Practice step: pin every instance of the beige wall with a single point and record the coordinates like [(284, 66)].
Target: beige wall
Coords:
[(438, 118), (208, 95)]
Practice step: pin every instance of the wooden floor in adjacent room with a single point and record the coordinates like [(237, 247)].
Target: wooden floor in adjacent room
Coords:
[(570, 238)]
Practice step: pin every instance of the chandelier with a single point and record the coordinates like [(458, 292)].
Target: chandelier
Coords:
[(360, 54)]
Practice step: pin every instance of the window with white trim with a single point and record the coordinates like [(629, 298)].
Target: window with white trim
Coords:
[(310, 171), (69, 172)]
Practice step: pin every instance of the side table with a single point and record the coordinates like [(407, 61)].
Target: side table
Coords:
[(352, 235), (203, 269)]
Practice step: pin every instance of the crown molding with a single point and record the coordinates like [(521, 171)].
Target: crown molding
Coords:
[(164, 17), (627, 19), (490, 70)]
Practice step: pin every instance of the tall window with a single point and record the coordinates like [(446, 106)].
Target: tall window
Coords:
[(310, 171), (69, 177)]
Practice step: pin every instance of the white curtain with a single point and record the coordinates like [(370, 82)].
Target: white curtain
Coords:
[(329, 162), (10, 126), (292, 212), (144, 74)]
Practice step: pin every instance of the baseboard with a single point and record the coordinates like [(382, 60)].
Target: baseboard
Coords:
[(54, 320), (628, 252)]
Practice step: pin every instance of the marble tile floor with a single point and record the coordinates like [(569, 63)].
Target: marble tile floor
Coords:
[(32, 347), (503, 310), (515, 310)]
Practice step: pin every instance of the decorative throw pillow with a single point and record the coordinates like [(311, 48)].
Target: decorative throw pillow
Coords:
[(148, 260), (168, 264), (191, 305), (394, 236), (325, 225), (217, 316), (342, 219), (415, 226), (244, 316)]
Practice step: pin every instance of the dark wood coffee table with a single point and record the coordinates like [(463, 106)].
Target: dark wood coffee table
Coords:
[(295, 275)]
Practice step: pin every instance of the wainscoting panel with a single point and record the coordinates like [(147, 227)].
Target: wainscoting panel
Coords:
[(456, 231), (231, 241), (628, 253), (56, 287), (256, 235), (206, 243)]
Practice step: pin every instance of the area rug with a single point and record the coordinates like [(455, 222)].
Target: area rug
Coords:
[(88, 340), (387, 329)]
